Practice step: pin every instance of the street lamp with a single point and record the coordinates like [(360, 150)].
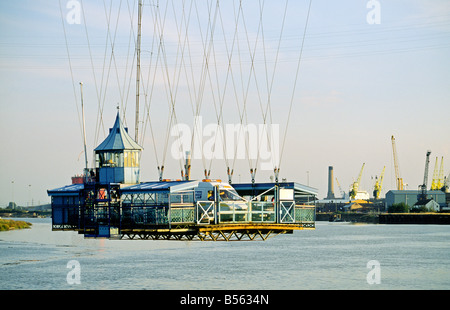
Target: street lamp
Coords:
[(12, 186), (29, 194)]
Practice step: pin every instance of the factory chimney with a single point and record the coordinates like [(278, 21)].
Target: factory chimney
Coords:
[(330, 194), (187, 167)]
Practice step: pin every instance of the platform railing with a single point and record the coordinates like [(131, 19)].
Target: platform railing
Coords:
[(181, 208), (232, 211), (287, 211), (253, 212), (306, 215), (262, 212), (205, 212), (181, 213)]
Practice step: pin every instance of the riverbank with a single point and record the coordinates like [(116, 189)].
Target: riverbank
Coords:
[(7, 225), (415, 218), (7, 213), (347, 217), (386, 218)]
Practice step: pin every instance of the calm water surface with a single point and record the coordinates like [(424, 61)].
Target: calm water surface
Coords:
[(334, 256)]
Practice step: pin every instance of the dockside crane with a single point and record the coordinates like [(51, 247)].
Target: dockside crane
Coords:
[(438, 182), (423, 188), (378, 185), (340, 188), (446, 184), (398, 179), (441, 180), (355, 186), (435, 181)]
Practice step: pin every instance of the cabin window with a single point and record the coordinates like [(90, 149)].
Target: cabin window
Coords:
[(110, 159), (127, 159), (131, 159)]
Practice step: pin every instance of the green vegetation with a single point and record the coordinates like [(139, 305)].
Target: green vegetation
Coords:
[(404, 208), (6, 225), (421, 209), (399, 208)]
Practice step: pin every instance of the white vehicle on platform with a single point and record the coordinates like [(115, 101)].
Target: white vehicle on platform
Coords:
[(227, 196)]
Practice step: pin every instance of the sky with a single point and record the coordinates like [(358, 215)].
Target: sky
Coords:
[(364, 75)]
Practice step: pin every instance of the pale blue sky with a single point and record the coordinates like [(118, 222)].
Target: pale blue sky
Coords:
[(358, 85)]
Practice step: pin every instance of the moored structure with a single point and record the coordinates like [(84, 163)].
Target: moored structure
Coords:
[(113, 203)]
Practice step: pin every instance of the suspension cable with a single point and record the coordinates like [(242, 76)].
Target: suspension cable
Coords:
[(295, 82), (70, 65), (270, 85)]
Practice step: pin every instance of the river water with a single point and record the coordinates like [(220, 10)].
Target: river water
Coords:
[(333, 256)]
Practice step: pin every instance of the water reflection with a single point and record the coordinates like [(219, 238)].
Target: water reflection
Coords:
[(334, 256)]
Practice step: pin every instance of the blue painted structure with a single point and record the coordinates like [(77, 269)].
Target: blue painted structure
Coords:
[(112, 202), (118, 157)]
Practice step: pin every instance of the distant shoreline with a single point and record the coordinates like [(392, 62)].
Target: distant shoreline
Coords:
[(9, 213), (386, 218), (7, 225)]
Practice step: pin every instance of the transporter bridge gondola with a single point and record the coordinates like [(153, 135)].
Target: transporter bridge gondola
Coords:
[(113, 203), (178, 210)]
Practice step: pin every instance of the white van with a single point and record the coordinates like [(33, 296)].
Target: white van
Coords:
[(227, 195)]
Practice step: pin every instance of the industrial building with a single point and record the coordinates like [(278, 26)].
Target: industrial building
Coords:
[(410, 197)]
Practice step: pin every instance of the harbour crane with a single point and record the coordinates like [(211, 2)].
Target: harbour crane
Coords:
[(340, 188), (435, 181), (446, 184), (423, 193), (398, 179), (379, 185), (441, 180), (355, 186)]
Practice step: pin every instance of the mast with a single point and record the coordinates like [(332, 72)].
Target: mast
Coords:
[(84, 135), (138, 70)]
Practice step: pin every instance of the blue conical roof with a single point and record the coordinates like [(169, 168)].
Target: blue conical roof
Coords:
[(118, 139)]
